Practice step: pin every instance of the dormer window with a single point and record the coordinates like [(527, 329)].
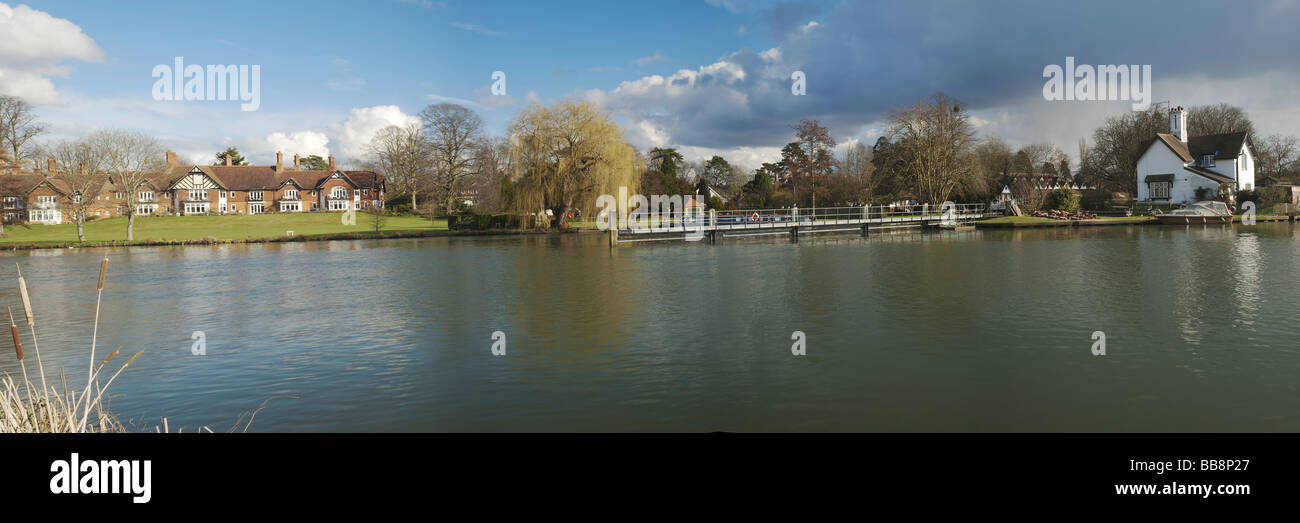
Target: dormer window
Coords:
[(1207, 160)]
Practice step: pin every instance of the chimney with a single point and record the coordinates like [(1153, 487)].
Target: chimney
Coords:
[(228, 159), (331, 164), (171, 160), (1178, 123), (49, 166), (279, 161), (295, 162)]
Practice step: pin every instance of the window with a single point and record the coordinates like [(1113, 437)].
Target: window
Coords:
[(145, 196), (291, 194), (232, 195), (197, 194), (339, 192), (290, 206), (1207, 160), (223, 208), (11, 202), (223, 195), (255, 208), (45, 201), (1159, 190), (255, 196)]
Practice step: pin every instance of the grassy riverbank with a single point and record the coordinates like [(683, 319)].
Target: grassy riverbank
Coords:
[(241, 227)]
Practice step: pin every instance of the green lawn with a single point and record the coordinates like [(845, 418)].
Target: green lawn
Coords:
[(231, 227)]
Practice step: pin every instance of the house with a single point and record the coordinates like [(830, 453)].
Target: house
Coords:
[(47, 197), (256, 189), (1173, 167)]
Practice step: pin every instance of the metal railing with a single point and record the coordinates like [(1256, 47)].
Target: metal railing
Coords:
[(794, 216)]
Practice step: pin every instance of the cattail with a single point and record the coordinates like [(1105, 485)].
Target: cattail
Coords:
[(110, 356), (103, 270), (18, 343), (128, 362), (27, 301)]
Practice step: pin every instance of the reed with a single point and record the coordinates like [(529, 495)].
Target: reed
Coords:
[(53, 409)]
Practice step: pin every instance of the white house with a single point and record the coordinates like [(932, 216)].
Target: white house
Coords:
[(1173, 166)]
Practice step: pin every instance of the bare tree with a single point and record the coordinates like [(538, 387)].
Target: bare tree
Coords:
[(18, 125), (1279, 156), (1217, 119), (127, 157), (932, 142), (81, 169), (405, 157), (453, 131)]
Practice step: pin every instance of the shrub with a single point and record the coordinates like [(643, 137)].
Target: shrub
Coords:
[(1264, 197), (1062, 199)]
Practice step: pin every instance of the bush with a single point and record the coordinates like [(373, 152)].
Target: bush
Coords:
[(401, 208), (1062, 199), (1264, 197)]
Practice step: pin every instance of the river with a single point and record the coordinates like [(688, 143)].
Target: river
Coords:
[(988, 330)]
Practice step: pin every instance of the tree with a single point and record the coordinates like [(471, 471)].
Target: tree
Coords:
[(18, 126), (1278, 157), (758, 191), (80, 168), (993, 168), (809, 159), (1063, 167), (233, 153), (490, 181), (933, 142), (1217, 119), (313, 163), (452, 131), (1111, 163), (716, 172), (406, 158), (128, 158), (666, 160), (566, 153)]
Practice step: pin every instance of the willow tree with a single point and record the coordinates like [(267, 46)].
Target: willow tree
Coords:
[(565, 155)]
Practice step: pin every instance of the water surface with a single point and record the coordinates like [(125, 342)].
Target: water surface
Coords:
[(958, 331)]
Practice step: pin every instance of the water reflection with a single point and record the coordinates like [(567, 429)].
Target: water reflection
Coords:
[(910, 331)]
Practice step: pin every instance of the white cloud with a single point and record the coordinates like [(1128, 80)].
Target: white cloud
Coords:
[(34, 46), (475, 28), (449, 99), (644, 60), (355, 133), (305, 143)]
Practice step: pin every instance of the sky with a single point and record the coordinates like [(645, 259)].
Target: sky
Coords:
[(706, 76)]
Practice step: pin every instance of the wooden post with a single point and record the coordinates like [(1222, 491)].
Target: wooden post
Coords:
[(613, 236)]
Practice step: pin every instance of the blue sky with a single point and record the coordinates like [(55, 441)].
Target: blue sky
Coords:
[(709, 76)]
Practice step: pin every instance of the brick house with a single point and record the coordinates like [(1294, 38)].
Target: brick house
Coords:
[(255, 189), (47, 198)]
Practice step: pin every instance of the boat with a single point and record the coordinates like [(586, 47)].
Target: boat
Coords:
[(1198, 213)]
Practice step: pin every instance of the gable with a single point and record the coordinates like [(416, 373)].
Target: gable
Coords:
[(195, 180)]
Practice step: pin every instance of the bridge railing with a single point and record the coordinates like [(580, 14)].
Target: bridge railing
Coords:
[(785, 217)]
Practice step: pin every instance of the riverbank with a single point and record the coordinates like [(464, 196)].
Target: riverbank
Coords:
[(238, 229), (1010, 222)]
